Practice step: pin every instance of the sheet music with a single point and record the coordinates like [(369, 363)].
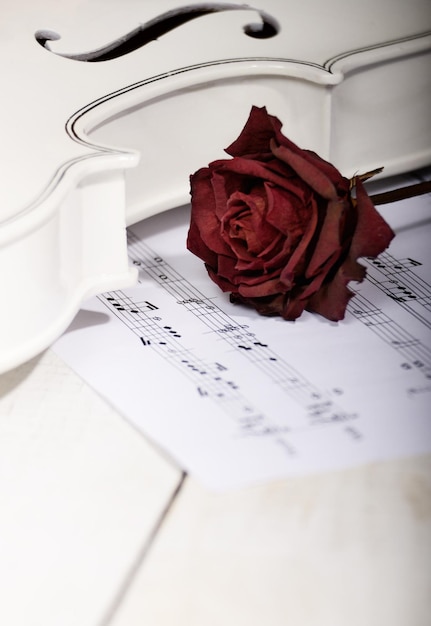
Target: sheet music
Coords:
[(236, 398)]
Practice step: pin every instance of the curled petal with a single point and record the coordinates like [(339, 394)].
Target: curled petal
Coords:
[(332, 299), (329, 244), (267, 287), (218, 185), (298, 256), (256, 134), (306, 170), (286, 212), (203, 213), (293, 308), (220, 281), (244, 224), (272, 305), (371, 237), (299, 297), (252, 168), (226, 268), (197, 246), (372, 234)]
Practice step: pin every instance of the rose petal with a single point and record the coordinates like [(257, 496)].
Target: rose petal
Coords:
[(324, 166), (293, 308), (255, 138), (328, 244), (332, 298), (203, 212), (371, 237), (251, 168), (272, 305), (256, 134), (306, 170), (244, 224), (372, 234), (253, 278), (220, 281), (285, 212), (299, 297), (198, 247), (341, 183), (298, 256), (259, 290), (223, 187)]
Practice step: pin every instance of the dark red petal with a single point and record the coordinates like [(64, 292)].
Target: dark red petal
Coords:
[(221, 195), (226, 267), (252, 168), (285, 212), (255, 138), (198, 247), (306, 170), (328, 244), (279, 258), (250, 278), (245, 223), (299, 297), (324, 166), (220, 281), (332, 299), (312, 287), (372, 235), (298, 256), (272, 305), (256, 134), (293, 308), (203, 214), (265, 288)]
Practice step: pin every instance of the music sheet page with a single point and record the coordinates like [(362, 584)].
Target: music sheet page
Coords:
[(236, 398)]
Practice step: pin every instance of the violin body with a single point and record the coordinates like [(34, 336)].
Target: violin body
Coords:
[(108, 106)]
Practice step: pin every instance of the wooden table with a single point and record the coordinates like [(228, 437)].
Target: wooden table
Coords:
[(98, 528)]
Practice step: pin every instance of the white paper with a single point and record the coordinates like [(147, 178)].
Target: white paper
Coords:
[(236, 398)]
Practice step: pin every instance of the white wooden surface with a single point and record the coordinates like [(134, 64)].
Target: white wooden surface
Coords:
[(80, 492), (98, 528)]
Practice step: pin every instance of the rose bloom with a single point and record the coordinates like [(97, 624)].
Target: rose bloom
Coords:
[(277, 226)]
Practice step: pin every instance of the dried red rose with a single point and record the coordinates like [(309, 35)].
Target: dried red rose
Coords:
[(277, 226)]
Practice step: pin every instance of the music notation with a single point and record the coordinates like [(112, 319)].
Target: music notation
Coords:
[(398, 280), (320, 406), (207, 376), (237, 398), (418, 354)]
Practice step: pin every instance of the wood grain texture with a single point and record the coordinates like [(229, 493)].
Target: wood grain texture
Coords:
[(80, 492), (350, 547)]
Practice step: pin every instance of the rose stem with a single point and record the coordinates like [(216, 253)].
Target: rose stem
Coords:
[(402, 193)]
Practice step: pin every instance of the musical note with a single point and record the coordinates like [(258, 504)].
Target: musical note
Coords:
[(392, 333), (412, 292)]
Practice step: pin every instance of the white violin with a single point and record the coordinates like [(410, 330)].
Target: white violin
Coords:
[(108, 105)]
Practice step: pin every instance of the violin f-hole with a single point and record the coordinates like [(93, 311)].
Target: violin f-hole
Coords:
[(159, 26)]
